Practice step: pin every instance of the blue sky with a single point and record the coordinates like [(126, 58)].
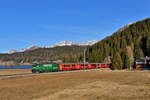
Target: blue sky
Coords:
[(25, 23)]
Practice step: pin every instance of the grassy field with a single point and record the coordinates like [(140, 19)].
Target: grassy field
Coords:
[(90, 85), (14, 71)]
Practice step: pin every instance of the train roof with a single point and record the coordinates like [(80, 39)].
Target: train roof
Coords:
[(67, 63)]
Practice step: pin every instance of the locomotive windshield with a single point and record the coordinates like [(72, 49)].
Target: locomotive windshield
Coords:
[(34, 65)]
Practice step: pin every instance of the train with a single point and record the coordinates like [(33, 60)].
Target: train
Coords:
[(55, 67)]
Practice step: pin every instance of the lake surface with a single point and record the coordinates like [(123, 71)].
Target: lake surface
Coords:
[(16, 67)]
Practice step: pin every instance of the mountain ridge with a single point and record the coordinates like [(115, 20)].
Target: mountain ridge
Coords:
[(61, 43)]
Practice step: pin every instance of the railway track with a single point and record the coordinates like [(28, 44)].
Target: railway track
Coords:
[(16, 75), (34, 74)]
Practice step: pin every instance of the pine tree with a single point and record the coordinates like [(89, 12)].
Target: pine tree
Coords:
[(138, 54), (148, 45), (127, 63), (125, 59), (117, 62), (123, 43)]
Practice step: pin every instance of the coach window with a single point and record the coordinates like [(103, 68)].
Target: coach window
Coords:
[(94, 65)]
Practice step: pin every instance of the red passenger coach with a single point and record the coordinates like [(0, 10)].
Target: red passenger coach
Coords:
[(77, 66)]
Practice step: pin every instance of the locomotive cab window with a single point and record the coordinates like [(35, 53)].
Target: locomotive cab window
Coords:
[(34, 65)]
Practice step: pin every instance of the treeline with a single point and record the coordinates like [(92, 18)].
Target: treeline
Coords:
[(123, 47), (43, 54)]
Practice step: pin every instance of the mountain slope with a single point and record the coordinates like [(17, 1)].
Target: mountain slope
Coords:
[(133, 39)]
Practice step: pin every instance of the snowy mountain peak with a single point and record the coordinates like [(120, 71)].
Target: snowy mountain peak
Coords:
[(23, 50), (12, 51), (68, 43), (30, 48), (63, 43)]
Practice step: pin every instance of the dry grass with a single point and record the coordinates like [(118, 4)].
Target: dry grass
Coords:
[(91, 85), (14, 71)]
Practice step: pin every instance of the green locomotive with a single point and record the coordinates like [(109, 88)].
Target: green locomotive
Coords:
[(44, 67)]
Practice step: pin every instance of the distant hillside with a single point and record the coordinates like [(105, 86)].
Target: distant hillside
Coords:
[(131, 41), (43, 54)]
